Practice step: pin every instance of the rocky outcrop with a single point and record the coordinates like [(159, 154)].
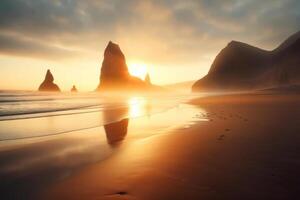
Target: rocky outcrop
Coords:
[(240, 66), (114, 71), (147, 79), (48, 84), (74, 89)]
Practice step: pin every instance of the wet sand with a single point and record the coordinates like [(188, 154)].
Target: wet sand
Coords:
[(43, 157), (248, 149)]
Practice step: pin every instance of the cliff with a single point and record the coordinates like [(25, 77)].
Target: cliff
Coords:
[(240, 66)]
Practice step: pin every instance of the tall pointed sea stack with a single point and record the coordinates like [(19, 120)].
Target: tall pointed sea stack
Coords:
[(114, 71), (48, 85)]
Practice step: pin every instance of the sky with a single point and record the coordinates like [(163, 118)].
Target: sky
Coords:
[(174, 40)]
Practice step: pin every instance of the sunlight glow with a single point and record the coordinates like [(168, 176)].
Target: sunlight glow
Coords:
[(138, 69), (136, 106)]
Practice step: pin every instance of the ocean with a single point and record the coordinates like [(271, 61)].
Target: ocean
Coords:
[(33, 114), (47, 137)]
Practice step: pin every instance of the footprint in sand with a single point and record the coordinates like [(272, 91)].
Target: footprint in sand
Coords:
[(122, 193), (221, 137)]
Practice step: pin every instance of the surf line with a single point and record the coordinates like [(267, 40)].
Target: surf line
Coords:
[(80, 129)]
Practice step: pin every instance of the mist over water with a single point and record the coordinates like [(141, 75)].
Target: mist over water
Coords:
[(50, 136), (33, 114)]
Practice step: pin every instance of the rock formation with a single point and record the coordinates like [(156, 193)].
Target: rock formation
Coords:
[(74, 89), (47, 84), (147, 79), (114, 71), (240, 66)]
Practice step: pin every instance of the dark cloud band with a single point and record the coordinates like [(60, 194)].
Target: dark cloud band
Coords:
[(183, 26)]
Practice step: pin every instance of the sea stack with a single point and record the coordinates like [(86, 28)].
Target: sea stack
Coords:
[(147, 79), (74, 89), (48, 85), (114, 71)]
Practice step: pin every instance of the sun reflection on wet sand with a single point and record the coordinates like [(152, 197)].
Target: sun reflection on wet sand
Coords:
[(137, 106), (138, 118)]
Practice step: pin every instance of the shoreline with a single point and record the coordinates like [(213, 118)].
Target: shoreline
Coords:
[(49, 160), (241, 152)]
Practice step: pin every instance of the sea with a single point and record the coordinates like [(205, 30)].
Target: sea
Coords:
[(47, 137)]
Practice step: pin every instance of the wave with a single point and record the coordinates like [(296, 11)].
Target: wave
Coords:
[(15, 108), (63, 113), (66, 131), (57, 112)]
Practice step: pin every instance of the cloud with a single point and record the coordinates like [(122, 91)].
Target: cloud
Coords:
[(159, 30), (16, 45)]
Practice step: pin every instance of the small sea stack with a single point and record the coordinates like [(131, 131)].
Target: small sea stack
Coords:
[(147, 79), (48, 84), (74, 89)]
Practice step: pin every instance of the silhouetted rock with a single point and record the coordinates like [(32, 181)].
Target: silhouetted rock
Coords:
[(74, 89), (240, 66), (114, 71), (47, 84), (147, 79)]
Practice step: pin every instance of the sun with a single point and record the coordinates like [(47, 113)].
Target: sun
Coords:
[(138, 69)]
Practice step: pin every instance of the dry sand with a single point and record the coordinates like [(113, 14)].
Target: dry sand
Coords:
[(249, 150)]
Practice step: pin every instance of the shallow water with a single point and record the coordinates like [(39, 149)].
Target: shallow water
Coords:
[(46, 138), (30, 114)]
